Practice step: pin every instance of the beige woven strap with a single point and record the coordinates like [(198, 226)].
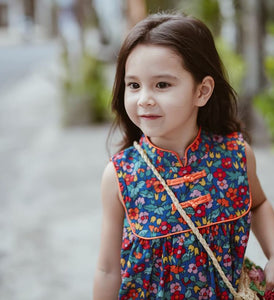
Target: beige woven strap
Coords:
[(245, 294)]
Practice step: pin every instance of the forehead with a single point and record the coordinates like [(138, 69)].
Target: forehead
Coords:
[(153, 56)]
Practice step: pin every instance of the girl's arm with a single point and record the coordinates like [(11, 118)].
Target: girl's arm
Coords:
[(108, 275), (262, 220)]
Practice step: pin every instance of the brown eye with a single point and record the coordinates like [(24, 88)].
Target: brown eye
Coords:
[(162, 85), (133, 85)]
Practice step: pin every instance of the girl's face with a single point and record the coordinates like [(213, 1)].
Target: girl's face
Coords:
[(161, 97)]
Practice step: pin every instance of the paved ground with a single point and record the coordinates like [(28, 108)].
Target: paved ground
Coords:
[(49, 183)]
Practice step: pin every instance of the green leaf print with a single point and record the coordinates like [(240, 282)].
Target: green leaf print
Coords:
[(241, 179), (143, 232), (188, 293), (150, 207), (134, 191), (159, 211), (233, 175)]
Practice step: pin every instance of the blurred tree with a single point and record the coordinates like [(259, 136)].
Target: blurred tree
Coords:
[(251, 21), (206, 10), (161, 5), (136, 11), (209, 12), (85, 92)]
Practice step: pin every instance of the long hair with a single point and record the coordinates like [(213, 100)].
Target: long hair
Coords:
[(193, 41)]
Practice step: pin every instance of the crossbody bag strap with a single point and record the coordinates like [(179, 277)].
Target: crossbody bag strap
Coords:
[(192, 226)]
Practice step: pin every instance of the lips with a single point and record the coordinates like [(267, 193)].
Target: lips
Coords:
[(150, 116)]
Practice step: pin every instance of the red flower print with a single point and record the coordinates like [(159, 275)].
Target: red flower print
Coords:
[(215, 230), (232, 145), (158, 187), (200, 211), (125, 244), (221, 217), (145, 244), (167, 275), (121, 186), (238, 202), (129, 179), (133, 294), (185, 170), (201, 259), (179, 251), (127, 199), (139, 268), (242, 190), (126, 275), (164, 227), (133, 213), (240, 250), (158, 252), (168, 247), (160, 153), (223, 295), (177, 296), (226, 162), (220, 174), (150, 182), (146, 284)]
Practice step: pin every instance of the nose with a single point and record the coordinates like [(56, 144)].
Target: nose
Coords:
[(146, 98)]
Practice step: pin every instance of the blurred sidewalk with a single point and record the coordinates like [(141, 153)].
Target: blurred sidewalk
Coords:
[(50, 194), (50, 179)]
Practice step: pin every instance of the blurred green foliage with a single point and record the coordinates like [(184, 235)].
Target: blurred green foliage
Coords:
[(160, 5), (85, 92), (206, 10), (270, 27), (233, 63), (92, 84), (265, 100)]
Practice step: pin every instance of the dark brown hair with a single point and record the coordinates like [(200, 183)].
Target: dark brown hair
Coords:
[(193, 41)]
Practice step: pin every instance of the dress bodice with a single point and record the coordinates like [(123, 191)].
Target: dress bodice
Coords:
[(211, 184)]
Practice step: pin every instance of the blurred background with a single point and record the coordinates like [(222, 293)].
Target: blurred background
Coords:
[(57, 64)]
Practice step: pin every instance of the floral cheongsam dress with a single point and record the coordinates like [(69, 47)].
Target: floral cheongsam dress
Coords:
[(161, 258)]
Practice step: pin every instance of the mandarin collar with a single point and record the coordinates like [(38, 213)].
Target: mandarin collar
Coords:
[(193, 153)]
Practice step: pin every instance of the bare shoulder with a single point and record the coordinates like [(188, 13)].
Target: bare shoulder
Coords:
[(257, 193), (250, 159), (110, 189), (109, 175)]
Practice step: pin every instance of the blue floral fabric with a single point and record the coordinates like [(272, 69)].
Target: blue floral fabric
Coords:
[(161, 258)]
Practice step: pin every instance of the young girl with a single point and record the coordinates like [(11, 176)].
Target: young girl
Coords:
[(170, 94)]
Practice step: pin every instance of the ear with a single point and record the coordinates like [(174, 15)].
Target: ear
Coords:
[(204, 91)]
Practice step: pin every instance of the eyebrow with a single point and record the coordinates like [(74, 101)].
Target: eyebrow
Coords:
[(161, 76)]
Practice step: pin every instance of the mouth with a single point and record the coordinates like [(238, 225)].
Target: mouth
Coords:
[(150, 117)]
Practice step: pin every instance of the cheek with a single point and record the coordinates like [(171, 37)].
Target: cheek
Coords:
[(130, 106)]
